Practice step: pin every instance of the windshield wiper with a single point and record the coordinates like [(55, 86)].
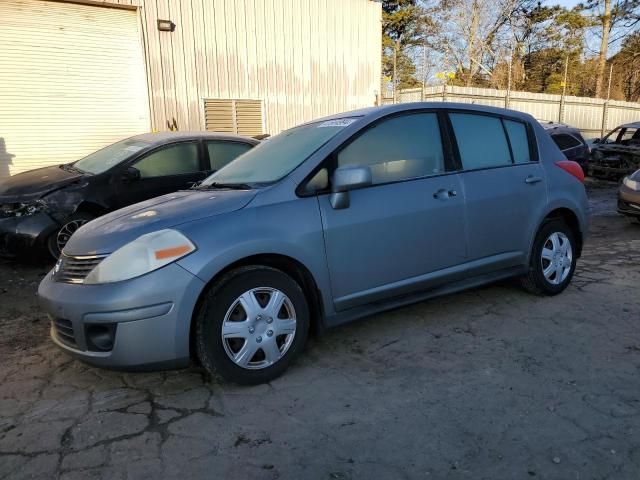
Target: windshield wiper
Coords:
[(231, 186)]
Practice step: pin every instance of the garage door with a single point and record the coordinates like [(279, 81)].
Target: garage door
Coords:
[(72, 80)]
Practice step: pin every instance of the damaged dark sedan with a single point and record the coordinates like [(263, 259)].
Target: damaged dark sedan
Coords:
[(617, 154), (40, 209)]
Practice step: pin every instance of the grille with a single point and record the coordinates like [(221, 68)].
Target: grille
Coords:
[(75, 269), (64, 331)]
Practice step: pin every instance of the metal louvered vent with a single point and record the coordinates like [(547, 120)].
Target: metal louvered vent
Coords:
[(75, 269), (243, 117)]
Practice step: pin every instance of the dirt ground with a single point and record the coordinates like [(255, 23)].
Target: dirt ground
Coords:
[(491, 383)]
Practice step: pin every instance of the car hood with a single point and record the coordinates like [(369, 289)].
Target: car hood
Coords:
[(35, 183), (109, 232)]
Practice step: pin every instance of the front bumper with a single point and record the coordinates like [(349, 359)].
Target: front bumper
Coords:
[(20, 235), (628, 202), (150, 317)]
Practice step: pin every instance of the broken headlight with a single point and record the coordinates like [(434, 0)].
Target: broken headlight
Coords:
[(21, 209)]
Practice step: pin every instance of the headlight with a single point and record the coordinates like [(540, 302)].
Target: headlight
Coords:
[(21, 209), (632, 184), (145, 254)]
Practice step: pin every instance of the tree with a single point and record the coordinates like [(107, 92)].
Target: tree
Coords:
[(614, 19), (405, 24), (626, 65)]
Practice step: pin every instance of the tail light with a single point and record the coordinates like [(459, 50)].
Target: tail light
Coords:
[(573, 168)]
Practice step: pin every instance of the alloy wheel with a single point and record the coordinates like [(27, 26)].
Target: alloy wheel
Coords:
[(67, 230)]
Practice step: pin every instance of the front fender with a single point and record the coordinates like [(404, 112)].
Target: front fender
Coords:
[(292, 229)]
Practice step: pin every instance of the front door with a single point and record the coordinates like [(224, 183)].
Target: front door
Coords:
[(408, 224), (164, 170)]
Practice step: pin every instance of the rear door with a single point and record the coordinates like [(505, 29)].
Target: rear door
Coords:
[(406, 225), (504, 186), (164, 170)]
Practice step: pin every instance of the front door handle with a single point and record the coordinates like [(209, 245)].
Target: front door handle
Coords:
[(531, 179), (443, 194)]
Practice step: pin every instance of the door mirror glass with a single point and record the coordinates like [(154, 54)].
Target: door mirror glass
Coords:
[(596, 140), (131, 174), (345, 179)]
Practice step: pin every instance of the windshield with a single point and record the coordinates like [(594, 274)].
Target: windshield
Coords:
[(104, 159), (274, 158)]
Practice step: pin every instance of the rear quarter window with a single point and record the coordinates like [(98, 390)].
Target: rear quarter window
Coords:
[(565, 141)]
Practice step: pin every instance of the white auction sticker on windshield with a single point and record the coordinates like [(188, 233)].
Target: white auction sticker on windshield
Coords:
[(340, 122)]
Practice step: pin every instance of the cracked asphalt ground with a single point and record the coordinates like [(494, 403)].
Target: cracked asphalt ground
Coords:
[(491, 383)]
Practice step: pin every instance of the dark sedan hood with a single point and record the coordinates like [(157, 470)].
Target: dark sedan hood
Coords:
[(35, 183), (112, 231)]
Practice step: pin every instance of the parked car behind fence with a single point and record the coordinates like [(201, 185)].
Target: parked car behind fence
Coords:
[(570, 142), (617, 154)]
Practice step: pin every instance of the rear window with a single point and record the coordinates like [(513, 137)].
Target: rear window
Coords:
[(565, 141)]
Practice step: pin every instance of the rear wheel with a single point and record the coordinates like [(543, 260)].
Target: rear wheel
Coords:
[(553, 259), (58, 239), (252, 324)]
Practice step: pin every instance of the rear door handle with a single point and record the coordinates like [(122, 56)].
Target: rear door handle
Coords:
[(531, 179), (443, 194)]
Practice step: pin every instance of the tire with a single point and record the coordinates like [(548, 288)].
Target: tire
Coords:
[(535, 280), (58, 239), (222, 308)]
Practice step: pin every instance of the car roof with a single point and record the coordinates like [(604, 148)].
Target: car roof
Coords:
[(550, 126), (156, 138), (401, 107)]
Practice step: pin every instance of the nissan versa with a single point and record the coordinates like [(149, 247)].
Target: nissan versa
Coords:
[(326, 222)]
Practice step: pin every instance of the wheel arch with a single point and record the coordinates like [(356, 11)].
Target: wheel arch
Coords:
[(289, 265), (91, 208), (569, 217)]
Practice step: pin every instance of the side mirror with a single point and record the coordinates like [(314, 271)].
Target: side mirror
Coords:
[(346, 179), (131, 174), (596, 140)]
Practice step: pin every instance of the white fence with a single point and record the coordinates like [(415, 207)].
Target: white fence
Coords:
[(592, 116)]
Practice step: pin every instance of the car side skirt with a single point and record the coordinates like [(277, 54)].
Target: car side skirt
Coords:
[(401, 301)]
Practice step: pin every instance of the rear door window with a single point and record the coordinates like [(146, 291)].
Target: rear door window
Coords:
[(399, 148), (177, 159), (481, 140), (221, 153)]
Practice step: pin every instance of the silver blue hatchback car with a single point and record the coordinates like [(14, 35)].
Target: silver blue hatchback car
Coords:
[(324, 223)]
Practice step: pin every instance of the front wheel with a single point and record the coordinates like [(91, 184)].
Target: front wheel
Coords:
[(553, 259), (58, 239), (252, 324)]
